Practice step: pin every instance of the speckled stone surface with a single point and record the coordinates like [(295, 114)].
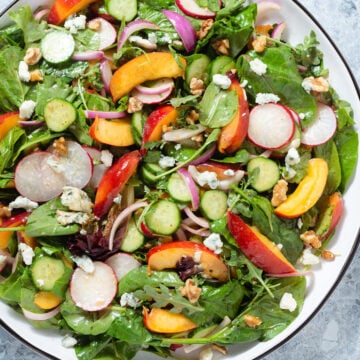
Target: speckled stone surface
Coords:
[(334, 332)]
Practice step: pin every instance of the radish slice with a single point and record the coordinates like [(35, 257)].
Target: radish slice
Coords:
[(107, 33), (278, 31), (271, 126), (91, 114), (133, 27), (152, 99), (122, 263), (76, 166), (106, 74), (158, 87), (99, 168), (264, 7), (191, 8), (184, 28), (41, 14), (182, 134), (93, 291), (295, 115), (88, 55), (36, 179), (195, 199), (322, 128), (40, 316)]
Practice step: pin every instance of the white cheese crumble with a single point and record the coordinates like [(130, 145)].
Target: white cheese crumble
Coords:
[(3, 259), (307, 85), (244, 83), (76, 199), (27, 109), (85, 263), (129, 300), (265, 98), (287, 302), (229, 172), (214, 243), (75, 23), (68, 341), (302, 116), (55, 164), (166, 161), (280, 246), (27, 253), (22, 202), (177, 147), (106, 157), (308, 258), (66, 217), (208, 178), (117, 199), (197, 256), (292, 157), (23, 71), (258, 67), (222, 81), (152, 38), (144, 43), (83, 232)]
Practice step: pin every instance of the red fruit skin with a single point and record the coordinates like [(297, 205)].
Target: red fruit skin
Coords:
[(260, 250), (16, 220), (114, 180)]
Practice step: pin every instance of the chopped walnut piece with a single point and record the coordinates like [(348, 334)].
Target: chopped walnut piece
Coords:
[(32, 56), (192, 117), (4, 211), (94, 24), (318, 84), (222, 46), (196, 86), (252, 321), (190, 291), (310, 238), (205, 27), (60, 146), (259, 44), (198, 138), (327, 255), (134, 105), (279, 192), (36, 75)]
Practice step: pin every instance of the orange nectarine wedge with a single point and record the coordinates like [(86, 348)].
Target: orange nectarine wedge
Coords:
[(7, 122)]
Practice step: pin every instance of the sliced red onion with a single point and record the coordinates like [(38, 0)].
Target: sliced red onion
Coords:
[(91, 114), (205, 156), (121, 217), (41, 316), (202, 222), (278, 31), (152, 99), (88, 55), (183, 27), (195, 199), (183, 134), (31, 122), (201, 232), (158, 87), (133, 27), (180, 234), (41, 14), (106, 74)]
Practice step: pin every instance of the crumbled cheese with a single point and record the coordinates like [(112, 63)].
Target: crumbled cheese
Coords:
[(302, 116), (292, 157), (258, 67), (214, 243), (27, 253), (106, 157), (300, 223), (117, 199), (166, 161), (129, 300), (26, 109), (208, 178), (177, 147), (75, 23), (85, 263), (197, 256), (244, 83), (222, 81), (287, 302), (83, 232), (67, 217), (3, 259), (40, 282), (76, 199), (22, 202), (295, 143), (229, 172), (55, 164), (265, 98), (23, 71), (144, 43), (152, 38), (280, 246), (308, 258), (307, 85), (68, 341), (290, 172)]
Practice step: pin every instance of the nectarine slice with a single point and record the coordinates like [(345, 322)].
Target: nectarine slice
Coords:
[(150, 66)]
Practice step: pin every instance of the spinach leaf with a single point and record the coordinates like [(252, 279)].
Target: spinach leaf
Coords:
[(42, 221), (11, 35), (12, 90), (217, 107), (281, 78)]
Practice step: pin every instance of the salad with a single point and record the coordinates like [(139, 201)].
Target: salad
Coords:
[(170, 172)]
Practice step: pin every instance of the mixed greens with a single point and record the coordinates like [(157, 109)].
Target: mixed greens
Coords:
[(169, 189)]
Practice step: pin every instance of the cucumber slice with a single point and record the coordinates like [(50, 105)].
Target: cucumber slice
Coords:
[(57, 47), (148, 177), (213, 204), (220, 65), (46, 271), (163, 217), (59, 114), (154, 168), (197, 68), (263, 173), (122, 9), (133, 238), (178, 189), (137, 125)]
